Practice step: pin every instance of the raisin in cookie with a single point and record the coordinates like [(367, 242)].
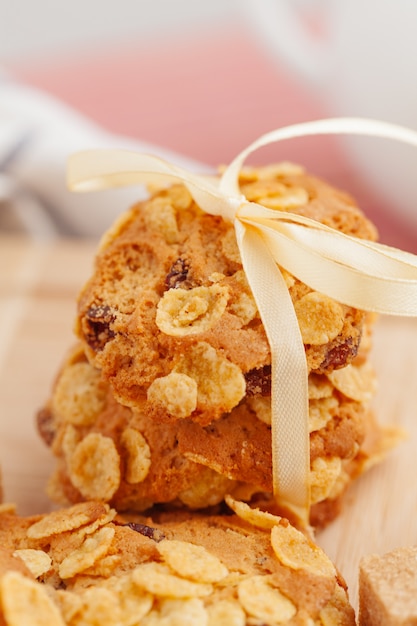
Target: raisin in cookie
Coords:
[(86, 565), (168, 315), (118, 454)]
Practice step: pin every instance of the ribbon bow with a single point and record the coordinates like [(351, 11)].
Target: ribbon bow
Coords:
[(355, 272)]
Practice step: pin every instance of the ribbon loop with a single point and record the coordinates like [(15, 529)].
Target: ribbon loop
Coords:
[(362, 274), (91, 170)]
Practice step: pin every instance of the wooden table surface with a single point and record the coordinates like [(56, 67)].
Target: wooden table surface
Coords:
[(38, 286)]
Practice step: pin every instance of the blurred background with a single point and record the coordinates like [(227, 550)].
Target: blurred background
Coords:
[(197, 81)]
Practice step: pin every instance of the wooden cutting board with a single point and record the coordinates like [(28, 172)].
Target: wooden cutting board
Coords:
[(38, 287)]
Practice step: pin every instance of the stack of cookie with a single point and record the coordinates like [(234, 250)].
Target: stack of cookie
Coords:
[(166, 398), (160, 422)]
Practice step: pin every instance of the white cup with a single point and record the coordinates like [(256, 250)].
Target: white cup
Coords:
[(362, 62)]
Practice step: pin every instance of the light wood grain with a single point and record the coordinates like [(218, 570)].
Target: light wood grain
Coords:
[(380, 513), (38, 287)]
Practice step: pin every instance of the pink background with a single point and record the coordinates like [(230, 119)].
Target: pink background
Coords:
[(206, 97)]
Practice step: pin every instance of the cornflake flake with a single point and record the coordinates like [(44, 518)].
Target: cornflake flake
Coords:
[(67, 519), (255, 517), (274, 194), (173, 612), (226, 613), (264, 602), (79, 395), (92, 549), (355, 382), (294, 550), (182, 312), (176, 393), (37, 561), (321, 411), (320, 318), (209, 490), (158, 579), (138, 459), (26, 602), (192, 561), (104, 519), (100, 606), (94, 467), (160, 215), (324, 474), (319, 386), (220, 382), (135, 603)]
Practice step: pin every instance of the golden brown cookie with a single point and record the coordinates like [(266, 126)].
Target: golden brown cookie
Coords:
[(169, 399), (86, 565), (168, 315), (120, 455)]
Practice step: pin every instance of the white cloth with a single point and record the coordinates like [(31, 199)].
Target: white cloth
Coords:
[(37, 134)]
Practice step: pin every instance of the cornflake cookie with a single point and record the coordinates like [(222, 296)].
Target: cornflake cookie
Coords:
[(388, 588), (168, 398), (85, 566), (121, 455), (168, 316)]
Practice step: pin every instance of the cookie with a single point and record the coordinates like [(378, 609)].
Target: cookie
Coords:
[(388, 588), (118, 454), (168, 315), (168, 399), (86, 565)]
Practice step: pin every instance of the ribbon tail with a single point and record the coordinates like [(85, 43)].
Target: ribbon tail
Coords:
[(391, 293), (289, 399)]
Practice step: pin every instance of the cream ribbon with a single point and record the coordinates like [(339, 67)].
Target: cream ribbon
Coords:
[(358, 273)]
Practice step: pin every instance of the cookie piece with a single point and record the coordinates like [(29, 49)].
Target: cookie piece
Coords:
[(388, 588), (86, 565), (168, 305), (120, 455)]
